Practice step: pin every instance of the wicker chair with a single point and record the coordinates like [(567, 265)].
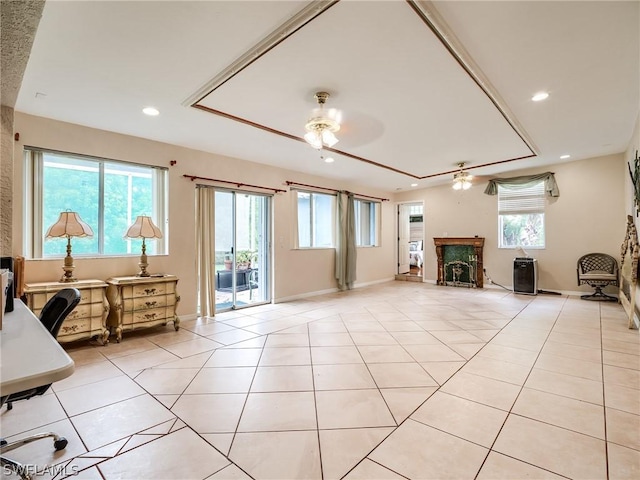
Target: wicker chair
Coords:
[(598, 270)]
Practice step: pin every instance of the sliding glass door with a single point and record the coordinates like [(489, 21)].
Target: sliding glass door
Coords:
[(242, 249)]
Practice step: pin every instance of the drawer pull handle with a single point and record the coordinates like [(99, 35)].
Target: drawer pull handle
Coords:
[(149, 291), (150, 316), (150, 304), (70, 329)]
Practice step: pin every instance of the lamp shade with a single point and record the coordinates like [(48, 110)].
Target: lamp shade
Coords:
[(69, 225), (143, 227)]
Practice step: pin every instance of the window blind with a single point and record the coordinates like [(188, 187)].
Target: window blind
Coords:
[(516, 200)]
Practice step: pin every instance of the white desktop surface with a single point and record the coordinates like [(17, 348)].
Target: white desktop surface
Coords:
[(29, 355)]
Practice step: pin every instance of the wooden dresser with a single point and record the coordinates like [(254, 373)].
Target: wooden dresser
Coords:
[(140, 302), (87, 320)]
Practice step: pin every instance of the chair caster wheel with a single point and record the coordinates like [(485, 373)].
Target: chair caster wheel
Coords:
[(60, 444)]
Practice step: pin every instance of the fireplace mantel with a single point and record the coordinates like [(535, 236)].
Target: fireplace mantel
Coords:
[(476, 242)]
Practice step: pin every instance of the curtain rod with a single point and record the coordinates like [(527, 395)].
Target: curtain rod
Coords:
[(335, 190), (238, 184)]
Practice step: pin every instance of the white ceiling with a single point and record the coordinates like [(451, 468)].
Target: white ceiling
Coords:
[(412, 106)]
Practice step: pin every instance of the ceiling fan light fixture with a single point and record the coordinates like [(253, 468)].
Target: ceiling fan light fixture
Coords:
[(462, 179), (328, 138), (322, 125), (313, 139)]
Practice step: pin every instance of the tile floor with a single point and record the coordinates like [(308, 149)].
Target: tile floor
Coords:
[(399, 380)]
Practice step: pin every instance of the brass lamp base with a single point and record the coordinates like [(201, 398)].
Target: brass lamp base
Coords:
[(143, 262), (68, 277), (68, 267)]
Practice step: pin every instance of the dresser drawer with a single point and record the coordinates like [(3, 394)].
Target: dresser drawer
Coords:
[(90, 310), (145, 303), (87, 295), (147, 289), (92, 295), (38, 300), (145, 316), (74, 326)]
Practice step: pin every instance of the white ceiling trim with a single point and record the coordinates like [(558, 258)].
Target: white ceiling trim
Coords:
[(429, 15), (263, 46)]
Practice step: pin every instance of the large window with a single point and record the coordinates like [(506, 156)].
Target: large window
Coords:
[(521, 215), (316, 219), (108, 196), (366, 221)]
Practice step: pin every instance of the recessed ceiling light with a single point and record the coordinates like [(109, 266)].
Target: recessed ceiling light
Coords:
[(540, 96), (151, 111), (564, 157), (414, 184), (329, 160)]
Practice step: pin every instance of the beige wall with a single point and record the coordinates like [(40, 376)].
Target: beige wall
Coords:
[(6, 180), (589, 216), (296, 272)]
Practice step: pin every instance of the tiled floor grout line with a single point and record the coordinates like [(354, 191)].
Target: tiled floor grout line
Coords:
[(604, 394), (315, 402), (509, 413), (381, 395), (437, 389), (356, 307)]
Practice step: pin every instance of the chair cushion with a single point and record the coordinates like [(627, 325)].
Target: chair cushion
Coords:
[(598, 275)]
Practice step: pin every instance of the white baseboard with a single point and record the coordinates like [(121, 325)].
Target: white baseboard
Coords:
[(305, 295), (329, 290), (374, 282)]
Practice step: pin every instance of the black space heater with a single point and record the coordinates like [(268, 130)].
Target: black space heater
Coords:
[(525, 276)]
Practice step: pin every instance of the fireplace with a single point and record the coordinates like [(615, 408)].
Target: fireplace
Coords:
[(460, 261)]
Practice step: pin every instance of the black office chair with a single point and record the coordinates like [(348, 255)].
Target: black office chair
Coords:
[(53, 314)]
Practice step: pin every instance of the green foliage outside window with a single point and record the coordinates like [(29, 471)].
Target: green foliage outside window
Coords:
[(74, 184), (522, 230)]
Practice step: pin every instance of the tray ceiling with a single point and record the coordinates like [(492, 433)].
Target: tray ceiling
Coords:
[(421, 85)]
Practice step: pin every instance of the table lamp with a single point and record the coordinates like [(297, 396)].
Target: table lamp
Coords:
[(143, 228), (69, 225)]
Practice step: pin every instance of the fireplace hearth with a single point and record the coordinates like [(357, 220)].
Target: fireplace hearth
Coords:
[(460, 261)]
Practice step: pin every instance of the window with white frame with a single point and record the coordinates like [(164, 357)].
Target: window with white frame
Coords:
[(366, 222), (316, 219), (521, 215), (108, 195)]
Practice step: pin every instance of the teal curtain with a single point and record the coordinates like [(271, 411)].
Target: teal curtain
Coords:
[(550, 185), (346, 253)]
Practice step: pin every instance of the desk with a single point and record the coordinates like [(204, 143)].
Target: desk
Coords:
[(29, 355)]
